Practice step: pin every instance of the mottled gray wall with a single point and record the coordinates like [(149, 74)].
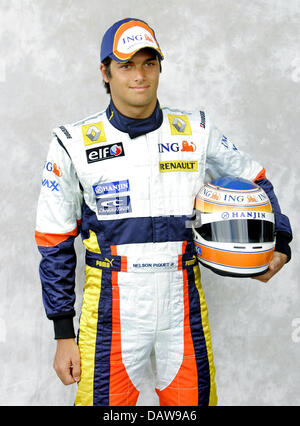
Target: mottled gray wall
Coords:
[(238, 59)]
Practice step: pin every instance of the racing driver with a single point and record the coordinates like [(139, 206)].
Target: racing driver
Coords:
[(126, 179)]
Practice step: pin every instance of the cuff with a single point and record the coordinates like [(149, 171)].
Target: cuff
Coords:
[(64, 328), (282, 244)]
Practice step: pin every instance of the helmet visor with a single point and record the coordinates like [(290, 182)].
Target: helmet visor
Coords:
[(238, 231)]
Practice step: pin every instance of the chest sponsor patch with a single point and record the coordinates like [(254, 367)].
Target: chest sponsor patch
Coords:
[(105, 152), (93, 133), (111, 187), (114, 205), (179, 124), (176, 147), (178, 166)]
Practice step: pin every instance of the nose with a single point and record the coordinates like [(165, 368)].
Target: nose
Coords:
[(139, 74)]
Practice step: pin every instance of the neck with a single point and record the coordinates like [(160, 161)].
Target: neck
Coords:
[(134, 126), (136, 111)]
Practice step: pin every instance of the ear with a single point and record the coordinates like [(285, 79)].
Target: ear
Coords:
[(103, 72)]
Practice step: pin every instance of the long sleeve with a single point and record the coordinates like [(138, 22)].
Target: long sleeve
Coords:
[(57, 225), (283, 229)]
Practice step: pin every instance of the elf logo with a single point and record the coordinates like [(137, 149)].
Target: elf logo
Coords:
[(105, 152)]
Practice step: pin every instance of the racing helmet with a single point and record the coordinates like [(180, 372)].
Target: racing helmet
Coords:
[(234, 227)]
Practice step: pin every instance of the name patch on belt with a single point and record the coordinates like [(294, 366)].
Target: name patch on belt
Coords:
[(178, 166)]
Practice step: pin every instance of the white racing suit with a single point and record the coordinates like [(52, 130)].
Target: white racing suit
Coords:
[(133, 199)]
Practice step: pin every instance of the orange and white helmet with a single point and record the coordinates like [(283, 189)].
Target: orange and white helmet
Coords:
[(234, 227)]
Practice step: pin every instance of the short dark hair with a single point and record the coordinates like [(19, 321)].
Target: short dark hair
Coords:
[(107, 61)]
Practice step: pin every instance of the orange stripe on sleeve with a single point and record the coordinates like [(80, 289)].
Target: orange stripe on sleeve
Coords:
[(50, 240)]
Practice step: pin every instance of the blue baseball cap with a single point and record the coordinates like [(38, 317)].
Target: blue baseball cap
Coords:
[(126, 37)]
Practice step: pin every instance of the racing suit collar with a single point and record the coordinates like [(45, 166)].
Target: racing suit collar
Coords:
[(133, 126)]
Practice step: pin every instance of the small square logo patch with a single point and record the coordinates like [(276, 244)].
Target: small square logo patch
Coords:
[(93, 133), (179, 124)]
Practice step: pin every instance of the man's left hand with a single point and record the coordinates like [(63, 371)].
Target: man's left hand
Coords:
[(277, 261)]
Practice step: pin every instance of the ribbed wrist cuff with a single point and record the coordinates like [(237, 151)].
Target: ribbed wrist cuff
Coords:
[(63, 328)]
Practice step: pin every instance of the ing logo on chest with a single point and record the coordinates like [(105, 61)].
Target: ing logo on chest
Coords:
[(185, 146)]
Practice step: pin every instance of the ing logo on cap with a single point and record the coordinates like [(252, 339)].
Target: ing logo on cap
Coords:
[(130, 37)]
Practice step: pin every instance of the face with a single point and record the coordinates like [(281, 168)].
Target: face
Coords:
[(133, 84)]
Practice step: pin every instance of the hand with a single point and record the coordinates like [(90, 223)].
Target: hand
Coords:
[(67, 361), (277, 261)]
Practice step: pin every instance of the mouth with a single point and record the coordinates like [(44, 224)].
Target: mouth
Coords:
[(140, 89)]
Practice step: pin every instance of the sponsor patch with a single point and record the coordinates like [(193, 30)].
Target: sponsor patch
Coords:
[(111, 187), (105, 152), (116, 205), (228, 145), (175, 147), (65, 132), (179, 124), (202, 116), (93, 133), (106, 263), (50, 166), (51, 184), (158, 265), (130, 37), (178, 166)]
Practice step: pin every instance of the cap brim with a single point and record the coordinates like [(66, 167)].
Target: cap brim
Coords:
[(117, 59)]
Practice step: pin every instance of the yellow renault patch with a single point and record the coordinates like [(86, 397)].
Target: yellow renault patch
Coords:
[(178, 166), (180, 124), (93, 133)]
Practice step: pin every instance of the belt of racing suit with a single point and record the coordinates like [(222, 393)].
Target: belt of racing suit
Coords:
[(141, 264)]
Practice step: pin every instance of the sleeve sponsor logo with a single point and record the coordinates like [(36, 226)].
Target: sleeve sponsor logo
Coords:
[(178, 166), (228, 145), (179, 124), (105, 152), (111, 187), (51, 184), (50, 166), (93, 133), (117, 205)]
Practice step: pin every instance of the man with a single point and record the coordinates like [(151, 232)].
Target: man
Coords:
[(128, 178)]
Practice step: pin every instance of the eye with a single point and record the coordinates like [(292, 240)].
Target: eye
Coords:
[(125, 66)]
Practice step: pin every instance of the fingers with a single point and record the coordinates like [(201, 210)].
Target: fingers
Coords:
[(64, 372), (75, 370), (265, 277), (276, 263), (67, 361)]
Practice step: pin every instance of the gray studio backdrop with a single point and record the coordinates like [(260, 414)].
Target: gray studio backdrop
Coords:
[(240, 61)]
